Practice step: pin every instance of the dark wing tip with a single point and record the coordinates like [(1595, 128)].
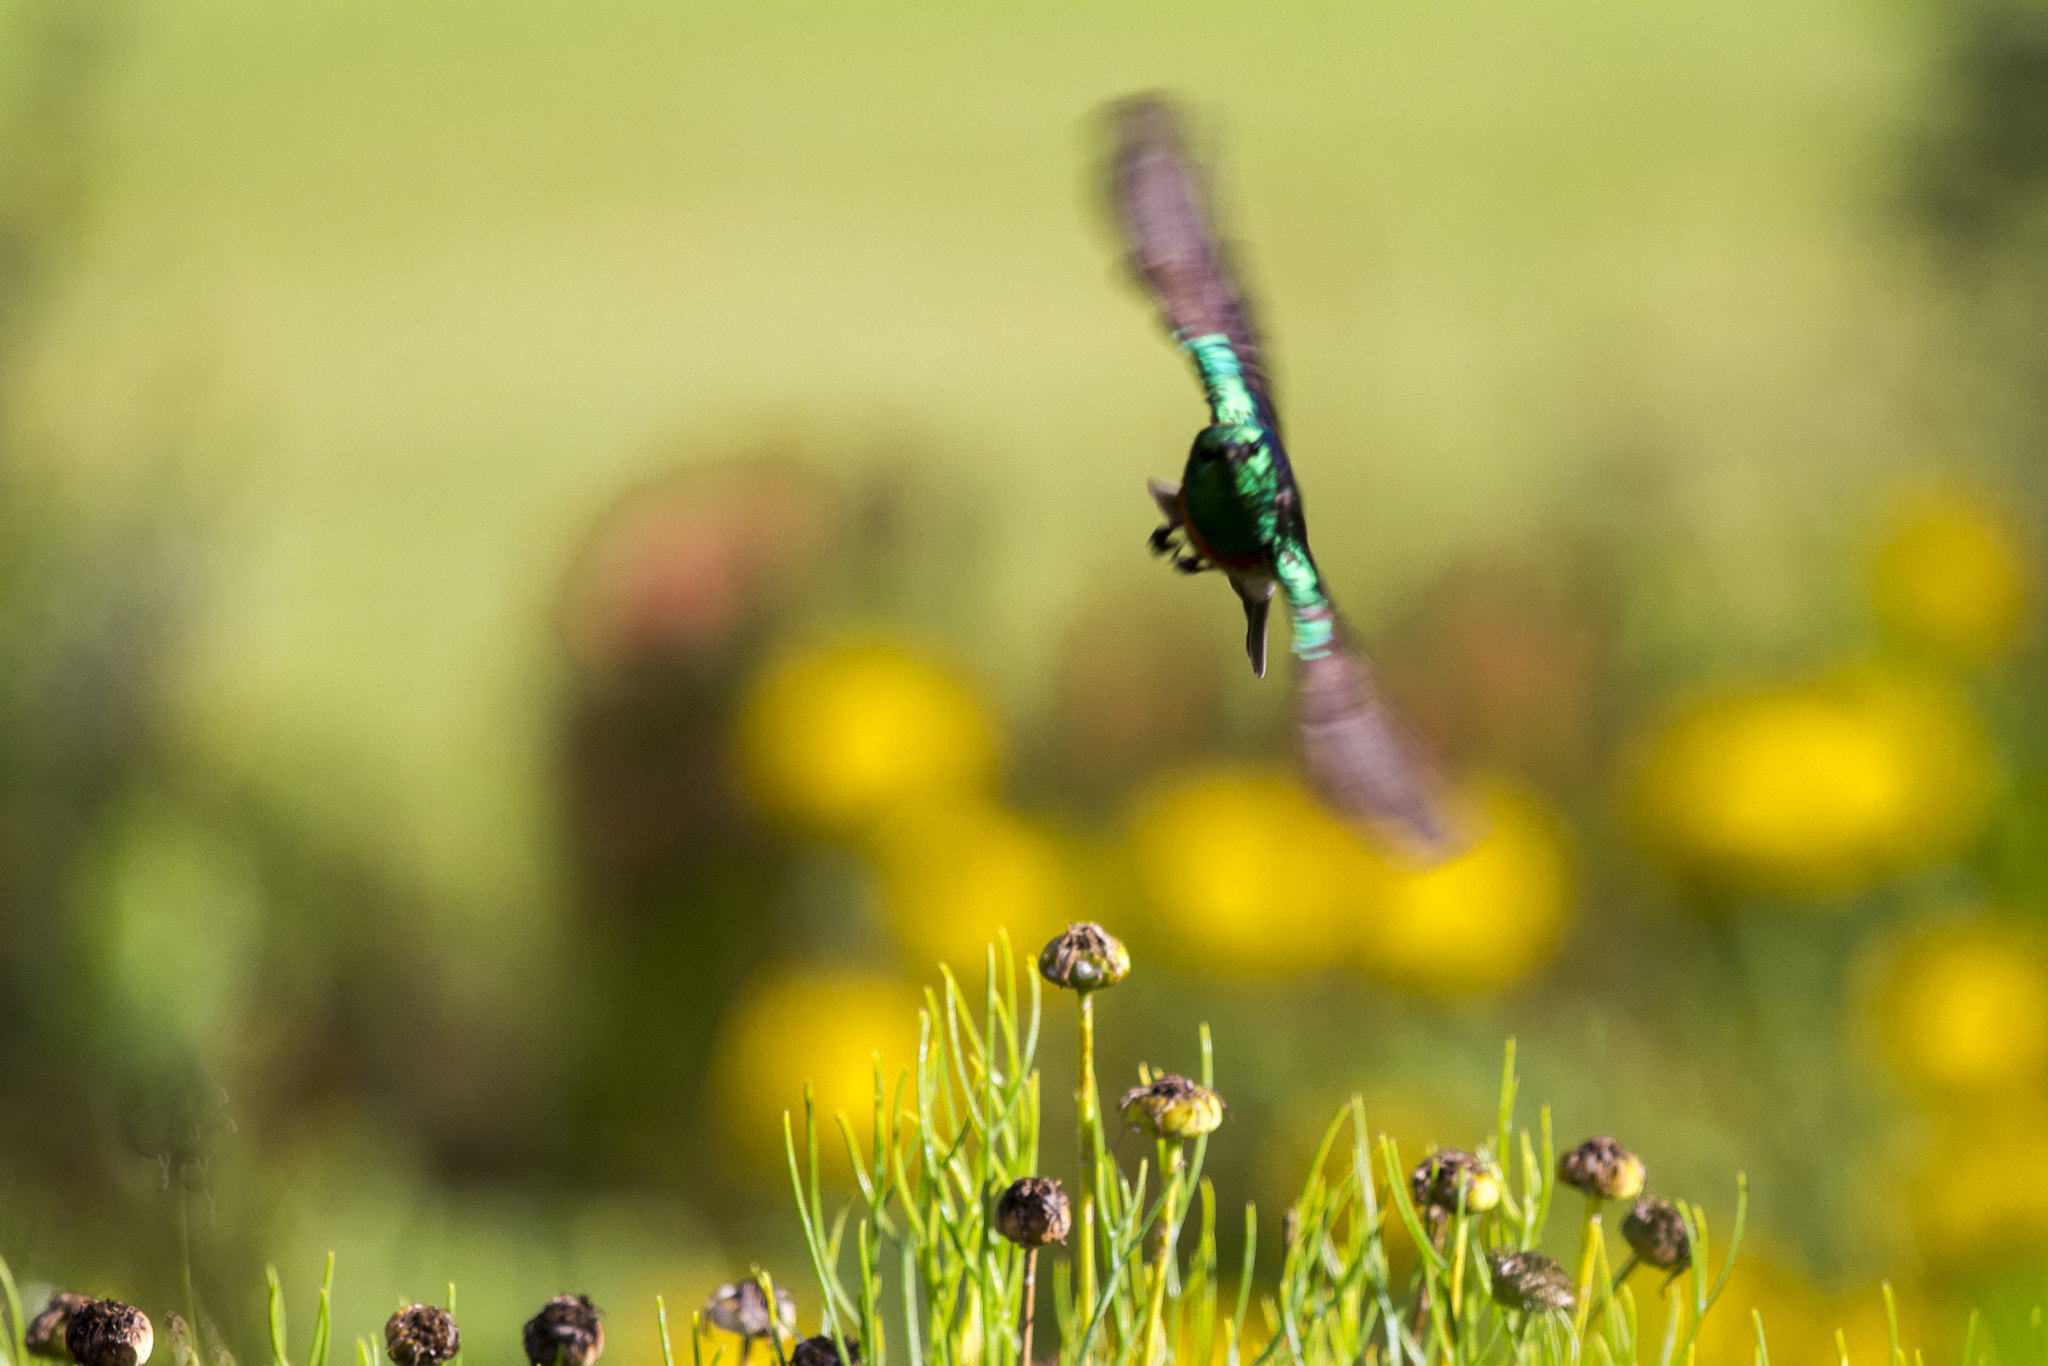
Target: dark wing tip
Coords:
[(1365, 761), (1161, 201)]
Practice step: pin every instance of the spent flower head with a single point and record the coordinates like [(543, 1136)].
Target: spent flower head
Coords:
[(421, 1335), (1084, 957), (1602, 1169), (568, 1331), (108, 1333), (1450, 1175), (819, 1351), (44, 1335), (1530, 1282), (1034, 1212), (740, 1307), (1174, 1107), (1655, 1232)]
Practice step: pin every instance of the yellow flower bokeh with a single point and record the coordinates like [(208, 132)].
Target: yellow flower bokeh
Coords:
[(1952, 574), (825, 1028), (1964, 1008), (1244, 873), (1800, 1319), (954, 874), (1982, 1190), (1481, 920), (833, 739), (1817, 786)]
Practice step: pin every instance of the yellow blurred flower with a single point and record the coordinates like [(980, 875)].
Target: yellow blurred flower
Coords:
[(1952, 574), (955, 873), (1965, 1008), (1245, 873), (1982, 1192), (835, 738), (1480, 921), (1817, 786), (1800, 1320), (822, 1027)]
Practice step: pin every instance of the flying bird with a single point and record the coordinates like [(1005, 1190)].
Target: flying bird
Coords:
[(1237, 509)]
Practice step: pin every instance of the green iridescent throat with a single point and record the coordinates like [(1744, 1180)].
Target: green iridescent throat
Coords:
[(1257, 477)]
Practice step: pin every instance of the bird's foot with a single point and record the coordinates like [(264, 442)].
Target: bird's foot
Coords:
[(1166, 542)]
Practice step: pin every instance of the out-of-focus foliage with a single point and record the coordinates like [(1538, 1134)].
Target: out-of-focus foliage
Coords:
[(553, 560)]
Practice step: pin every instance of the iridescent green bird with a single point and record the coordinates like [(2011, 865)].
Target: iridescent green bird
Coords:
[(1236, 507)]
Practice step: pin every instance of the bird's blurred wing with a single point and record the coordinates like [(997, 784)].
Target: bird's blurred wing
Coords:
[(1365, 762), (1163, 210)]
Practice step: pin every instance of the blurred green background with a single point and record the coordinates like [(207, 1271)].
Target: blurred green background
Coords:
[(554, 558)]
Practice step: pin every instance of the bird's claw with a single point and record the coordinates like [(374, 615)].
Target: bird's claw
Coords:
[(1166, 542)]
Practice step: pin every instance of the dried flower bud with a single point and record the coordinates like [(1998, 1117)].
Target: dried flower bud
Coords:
[(421, 1335), (1603, 1169), (1034, 1212), (1655, 1231), (819, 1351), (45, 1334), (1530, 1282), (1084, 958), (108, 1333), (1174, 1107), (741, 1308), (568, 1331), (1440, 1180)]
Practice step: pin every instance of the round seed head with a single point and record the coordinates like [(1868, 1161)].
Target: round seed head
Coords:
[(819, 1351), (45, 1334), (1530, 1282), (1655, 1231), (421, 1335), (740, 1307), (1445, 1176), (1084, 958), (568, 1330), (1602, 1169), (108, 1333), (1034, 1212), (1174, 1107)]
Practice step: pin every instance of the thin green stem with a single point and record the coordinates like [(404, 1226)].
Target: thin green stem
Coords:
[(1582, 1283), (1030, 1305), (1087, 1106), (1155, 1346)]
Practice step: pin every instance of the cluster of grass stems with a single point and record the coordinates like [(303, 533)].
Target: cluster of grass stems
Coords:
[(1365, 1276), (954, 1131)]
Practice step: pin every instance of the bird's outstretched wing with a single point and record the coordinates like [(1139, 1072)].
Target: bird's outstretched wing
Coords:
[(1163, 209), (1366, 763)]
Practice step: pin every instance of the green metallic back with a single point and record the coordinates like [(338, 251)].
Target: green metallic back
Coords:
[(1225, 523), (1243, 498)]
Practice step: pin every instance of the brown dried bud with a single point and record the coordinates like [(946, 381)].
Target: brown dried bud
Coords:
[(1034, 1212), (1655, 1231), (819, 1351), (108, 1333), (568, 1331), (45, 1334), (421, 1335), (1084, 958), (1174, 1107), (1530, 1282), (1602, 1169), (1449, 1175), (740, 1307)]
